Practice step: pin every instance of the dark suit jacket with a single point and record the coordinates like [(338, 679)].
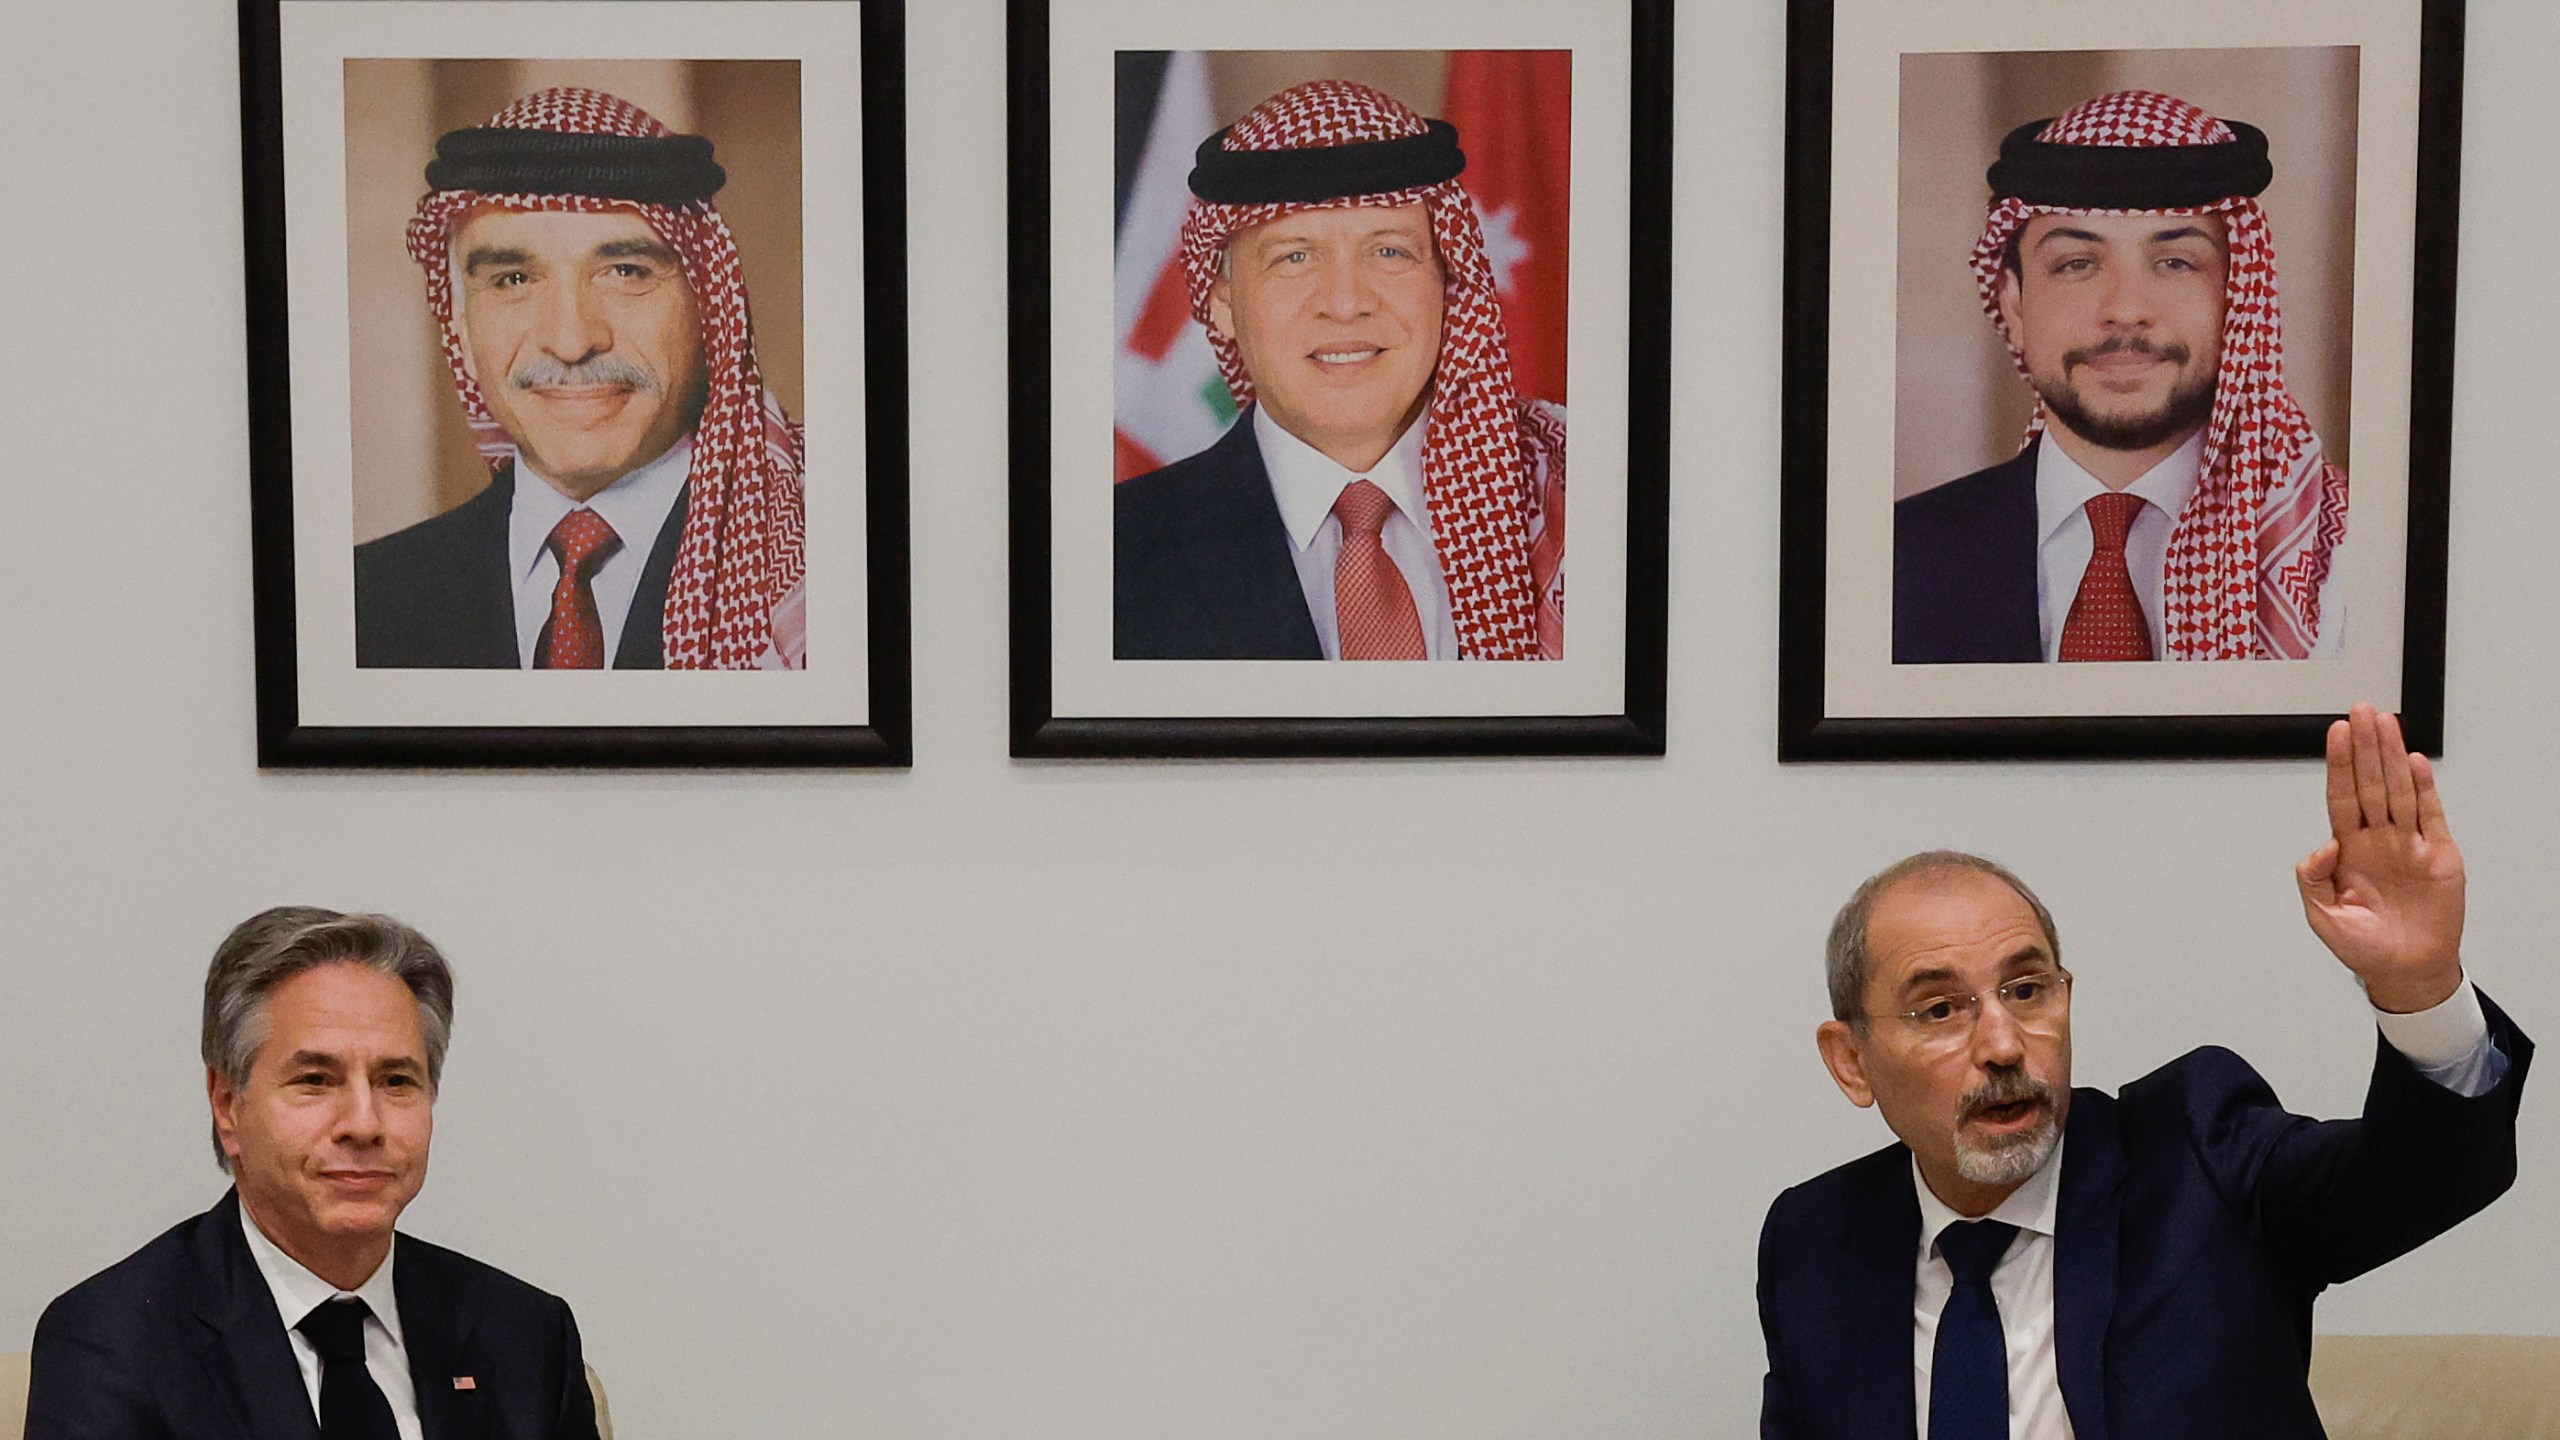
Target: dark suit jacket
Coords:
[(181, 1341), (1201, 565), (2197, 1220), (437, 596), (1964, 569)]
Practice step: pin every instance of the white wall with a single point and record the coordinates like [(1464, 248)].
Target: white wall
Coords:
[(1003, 1100)]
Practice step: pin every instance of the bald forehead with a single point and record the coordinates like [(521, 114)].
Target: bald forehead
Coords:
[(1951, 924)]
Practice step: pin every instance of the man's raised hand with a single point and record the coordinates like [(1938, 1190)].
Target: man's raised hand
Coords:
[(2384, 892)]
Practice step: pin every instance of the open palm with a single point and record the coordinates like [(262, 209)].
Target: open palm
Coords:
[(2385, 891)]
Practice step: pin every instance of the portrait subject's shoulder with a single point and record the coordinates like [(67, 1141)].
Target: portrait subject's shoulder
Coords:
[(1968, 502), (1147, 509), (438, 536)]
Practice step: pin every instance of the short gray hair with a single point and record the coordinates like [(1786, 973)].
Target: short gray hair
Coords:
[(275, 945), (1844, 956)]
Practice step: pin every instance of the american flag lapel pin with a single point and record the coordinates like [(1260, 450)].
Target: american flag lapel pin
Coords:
[(465, 1382)]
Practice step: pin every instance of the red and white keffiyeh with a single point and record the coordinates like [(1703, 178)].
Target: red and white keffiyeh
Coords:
[(2249, 554), (1492, 466), (735, 599)]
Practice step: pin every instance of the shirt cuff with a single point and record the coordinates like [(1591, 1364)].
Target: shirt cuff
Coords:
[(2437, 1037), (2449, 1044)]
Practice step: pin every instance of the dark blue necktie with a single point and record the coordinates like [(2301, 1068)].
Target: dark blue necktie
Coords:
[(351, 1405), (1969, 1373)]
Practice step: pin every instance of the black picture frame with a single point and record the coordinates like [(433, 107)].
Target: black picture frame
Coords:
[(1040, 731), (286, 739), (1814, 727)]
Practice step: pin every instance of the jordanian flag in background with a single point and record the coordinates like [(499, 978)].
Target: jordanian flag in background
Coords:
[(1513, 110)]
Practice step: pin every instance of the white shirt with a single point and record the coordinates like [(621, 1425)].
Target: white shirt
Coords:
[(636, 506), (298, 1292), (1306, 481), (2065, 540), (2449, 1044)]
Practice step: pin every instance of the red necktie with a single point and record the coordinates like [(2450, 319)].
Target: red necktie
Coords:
[(1372, 606), (573, 638), (2106, 619)]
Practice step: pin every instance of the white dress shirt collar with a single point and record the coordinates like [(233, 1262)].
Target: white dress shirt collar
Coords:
[(1306, 481), (2031, 1207), (635, 506), (2062, 487), (2022, 1288), (298, 1292)]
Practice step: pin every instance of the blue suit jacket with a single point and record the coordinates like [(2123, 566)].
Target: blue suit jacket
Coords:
[(437, 595), (1964, 569), (181, 1341), (2196, 1222), (1201, 565)]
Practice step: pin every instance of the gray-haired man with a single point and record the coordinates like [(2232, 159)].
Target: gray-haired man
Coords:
[(2034, 1262), (293, 1299)]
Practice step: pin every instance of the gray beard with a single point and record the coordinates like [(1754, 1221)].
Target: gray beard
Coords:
[(2006, 1159), (2011, 1159)]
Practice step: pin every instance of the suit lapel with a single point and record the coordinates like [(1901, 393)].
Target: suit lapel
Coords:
[(1238, 551), (240, 1338), (484, 595), (2084, 1259), (436, 1327), (2016, 624), (1874, 1321), (644, 637)]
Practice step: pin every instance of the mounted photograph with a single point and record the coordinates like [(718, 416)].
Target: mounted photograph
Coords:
[(557, 473), (2087, 492), (1342, 291)]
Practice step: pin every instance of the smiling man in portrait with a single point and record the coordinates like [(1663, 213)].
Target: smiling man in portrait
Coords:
[(644, 503), (2171, 501), (1386, 495)]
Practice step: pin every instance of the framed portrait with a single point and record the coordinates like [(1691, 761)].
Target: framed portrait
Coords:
[(1300, 298), (577, 367), (2092, 314)]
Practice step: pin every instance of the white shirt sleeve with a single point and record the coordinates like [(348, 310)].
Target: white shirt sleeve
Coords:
[(2449, 1043)]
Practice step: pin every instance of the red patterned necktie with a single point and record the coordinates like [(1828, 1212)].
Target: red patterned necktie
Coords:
[(2106, 619), (573, 638), (1372, 606)]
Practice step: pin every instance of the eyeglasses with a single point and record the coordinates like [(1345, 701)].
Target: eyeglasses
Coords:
[(2037, 1002)]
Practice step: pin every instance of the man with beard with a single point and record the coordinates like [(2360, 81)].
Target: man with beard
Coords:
[(643, 510), (2034, 1262), (2171, 500)]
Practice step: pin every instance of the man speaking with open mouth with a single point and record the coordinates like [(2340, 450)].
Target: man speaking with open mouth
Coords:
[(2034, 1262), (1386, 494)]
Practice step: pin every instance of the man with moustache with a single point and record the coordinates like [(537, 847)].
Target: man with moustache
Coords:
[(2171, 501), (293, 1299), (644, 505), (2034, 1262), (1386, 494)]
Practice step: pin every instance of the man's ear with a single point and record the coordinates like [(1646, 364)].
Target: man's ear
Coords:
[(1847, 1063), (225, 1102), (1222, 314), (2008, 300)]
